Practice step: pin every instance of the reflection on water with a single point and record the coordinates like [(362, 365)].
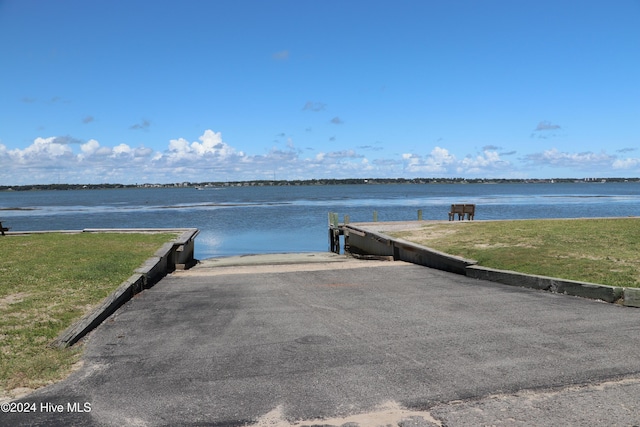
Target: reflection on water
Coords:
[(243, 220)]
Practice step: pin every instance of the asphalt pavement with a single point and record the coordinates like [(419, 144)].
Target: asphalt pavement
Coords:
[(321, 339)]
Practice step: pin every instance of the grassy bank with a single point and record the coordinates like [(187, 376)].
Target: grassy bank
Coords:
[(47, 282), (601, 251)]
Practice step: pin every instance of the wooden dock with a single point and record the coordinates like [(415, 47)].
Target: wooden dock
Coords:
[(336, 229)]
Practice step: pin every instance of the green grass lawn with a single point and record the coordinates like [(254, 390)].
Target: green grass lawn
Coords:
[(48, 281), (605, 251)]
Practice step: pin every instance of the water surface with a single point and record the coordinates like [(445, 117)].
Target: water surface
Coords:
[(248, 220)]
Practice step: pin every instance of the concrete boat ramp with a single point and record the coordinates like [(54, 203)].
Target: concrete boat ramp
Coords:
[(325, 340)]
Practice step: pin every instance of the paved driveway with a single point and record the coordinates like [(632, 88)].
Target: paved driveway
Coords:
[(344, 340)]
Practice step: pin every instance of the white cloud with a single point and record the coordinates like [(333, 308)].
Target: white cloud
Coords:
[(366, 165), (437, 162), (210, 158), (441, 156), (90, 147), (487, 161), (554, 157), (179, 145), (631, 163), (122, 149), (210, 146), (441, 162), (42, 149)]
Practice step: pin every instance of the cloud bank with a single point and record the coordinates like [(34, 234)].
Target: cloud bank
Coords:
[(210, 158)]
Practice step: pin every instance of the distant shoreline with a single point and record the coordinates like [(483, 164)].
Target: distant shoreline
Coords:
[(347, 181)]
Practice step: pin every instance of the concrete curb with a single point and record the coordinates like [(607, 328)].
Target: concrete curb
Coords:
[(631, 297), (365, 241), (369, 242), (552, 284), (177, 254)]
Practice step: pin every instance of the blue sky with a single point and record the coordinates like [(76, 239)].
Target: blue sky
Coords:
[(168, 91)]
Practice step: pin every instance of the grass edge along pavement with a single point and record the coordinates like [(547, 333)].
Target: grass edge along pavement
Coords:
[(49, 281), (598, 250)]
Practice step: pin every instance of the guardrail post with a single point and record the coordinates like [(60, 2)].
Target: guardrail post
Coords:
[(333, 219), (334, 233), (419, 214)]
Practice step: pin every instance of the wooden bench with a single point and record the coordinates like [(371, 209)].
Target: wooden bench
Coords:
[(3, 229), (467, 210)]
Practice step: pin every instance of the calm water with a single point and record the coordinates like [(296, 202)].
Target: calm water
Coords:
[(244, 220)]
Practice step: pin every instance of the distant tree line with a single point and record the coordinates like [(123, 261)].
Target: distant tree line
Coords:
[(60, 187), (327, 181)]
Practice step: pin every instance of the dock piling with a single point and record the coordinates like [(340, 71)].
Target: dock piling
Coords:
[(335, 230)]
